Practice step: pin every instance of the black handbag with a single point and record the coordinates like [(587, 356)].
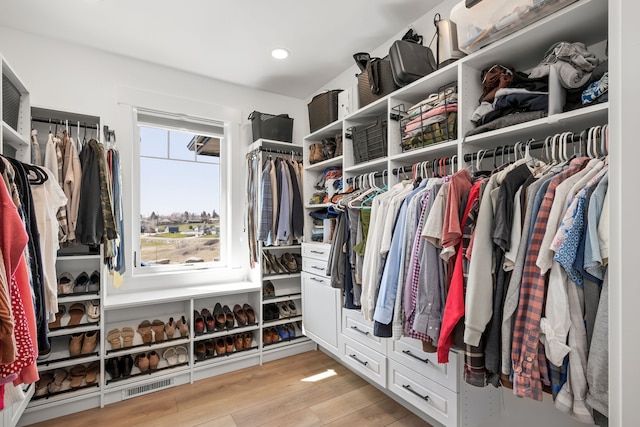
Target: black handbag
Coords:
[(375, 79)]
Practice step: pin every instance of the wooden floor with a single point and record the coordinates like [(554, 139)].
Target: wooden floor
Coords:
[(274, 394)]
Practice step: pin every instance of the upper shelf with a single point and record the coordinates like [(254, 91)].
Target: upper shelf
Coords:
[(334, 161), (12, 137), (329, 130), (576, 121), (581, 21), (275, 145)]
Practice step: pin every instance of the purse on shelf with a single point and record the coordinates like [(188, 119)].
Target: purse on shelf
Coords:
[(315, 153), (329, 146)]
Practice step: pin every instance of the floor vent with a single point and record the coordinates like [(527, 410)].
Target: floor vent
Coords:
[(147, 388)]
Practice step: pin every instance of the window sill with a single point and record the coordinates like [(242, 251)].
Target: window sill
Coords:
[(181, 293)]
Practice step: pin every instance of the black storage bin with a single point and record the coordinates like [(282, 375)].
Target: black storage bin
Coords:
[(377, 75), (369, 141), (410, 62), (10, 103), (269, 126), (323, 109)]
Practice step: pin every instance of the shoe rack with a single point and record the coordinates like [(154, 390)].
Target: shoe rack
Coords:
[(72, 368)]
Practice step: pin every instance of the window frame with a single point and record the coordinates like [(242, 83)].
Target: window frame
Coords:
[(197, 125)]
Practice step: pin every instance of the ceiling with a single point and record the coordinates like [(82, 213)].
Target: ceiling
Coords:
[(226, 40)]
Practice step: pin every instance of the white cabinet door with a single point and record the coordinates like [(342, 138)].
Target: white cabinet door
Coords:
[(321, 308)]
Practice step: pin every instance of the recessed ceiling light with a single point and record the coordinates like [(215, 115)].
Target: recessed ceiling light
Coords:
[(280, 53)]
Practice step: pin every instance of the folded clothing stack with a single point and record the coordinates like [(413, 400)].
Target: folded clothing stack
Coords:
[(506, 91)]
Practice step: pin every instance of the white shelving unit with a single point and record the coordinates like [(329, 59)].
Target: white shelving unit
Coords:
[(402, 368), (15, 120)]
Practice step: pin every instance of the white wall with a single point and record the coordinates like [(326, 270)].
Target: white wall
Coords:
[(422, 25), (71, 78)]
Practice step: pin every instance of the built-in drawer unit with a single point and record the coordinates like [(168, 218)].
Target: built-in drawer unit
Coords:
[(316, 250), (408, 351), (315, 266), (357, 328), (433, 399), (365, 361)]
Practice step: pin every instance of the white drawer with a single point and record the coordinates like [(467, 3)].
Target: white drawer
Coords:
[(315, 266), (408, 351), (357, 328), (365, 361), (438, 402), (316, 250), (321, 308)]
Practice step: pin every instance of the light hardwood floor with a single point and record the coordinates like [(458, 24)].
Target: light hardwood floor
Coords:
[(274, 395)]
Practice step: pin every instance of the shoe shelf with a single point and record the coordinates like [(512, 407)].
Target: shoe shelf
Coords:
[(77, 296), (143, 347), (228, 356), (225, 332), (59, 357), (89, 257), (285, 342), (280, 276), (74, 329), (284, 247), (65, 394), (136, 375), (276, 322), (320, 166), (280, 298)]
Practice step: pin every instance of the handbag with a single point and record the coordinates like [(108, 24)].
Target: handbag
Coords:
[(315, 153), (375, 79), (329, 146)]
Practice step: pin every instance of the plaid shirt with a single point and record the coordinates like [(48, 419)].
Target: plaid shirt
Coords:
[(527, 353), (266, 204)]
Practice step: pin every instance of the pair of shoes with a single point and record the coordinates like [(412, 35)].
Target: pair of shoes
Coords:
[(118, 367), (85, 283), (198, 323), (144, 329), (209, 321), (81, 373), (268, 291), (114, 335), (83, 343), (250, 313), (93, 310), (57, 323), (176, 355), (158, 330), (76, 312), (287, 309), (289, 262), (201, 351), (270, 335), (286, 331), (65, 283), (43, 384), (146, 362), (223, 317), (240, 315), (271, 312), (274, 264), (58, 381), (243, 341), (224, 345)]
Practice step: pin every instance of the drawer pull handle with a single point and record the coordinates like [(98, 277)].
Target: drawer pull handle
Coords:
[(355, 328), (408, 387), (408, 353), (317, 252), (315, 267), (317, 280), (353, 356)]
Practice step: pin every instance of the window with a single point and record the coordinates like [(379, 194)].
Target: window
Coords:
[(180, 193)]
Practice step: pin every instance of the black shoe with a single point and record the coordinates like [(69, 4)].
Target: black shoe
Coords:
[(125, 364), (112, 367)]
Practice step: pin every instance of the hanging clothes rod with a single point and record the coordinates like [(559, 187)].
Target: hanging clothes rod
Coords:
[(270, 150), (532, 144), (446, 161), (70, 123)]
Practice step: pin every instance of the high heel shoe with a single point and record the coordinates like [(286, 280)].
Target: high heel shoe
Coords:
[(266, 265)]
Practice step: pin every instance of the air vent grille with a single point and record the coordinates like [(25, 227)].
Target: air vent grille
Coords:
[(147, 388)]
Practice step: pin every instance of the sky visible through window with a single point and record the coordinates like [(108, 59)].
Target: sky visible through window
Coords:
[(171, 180)]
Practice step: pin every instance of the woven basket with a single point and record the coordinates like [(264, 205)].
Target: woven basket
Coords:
[(10, 103), (323, 109)]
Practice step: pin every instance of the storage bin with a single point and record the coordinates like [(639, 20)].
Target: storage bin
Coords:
[(380, 72), (369, 141), (490, 20), (323, 109), (270, 126), (10, 103)]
